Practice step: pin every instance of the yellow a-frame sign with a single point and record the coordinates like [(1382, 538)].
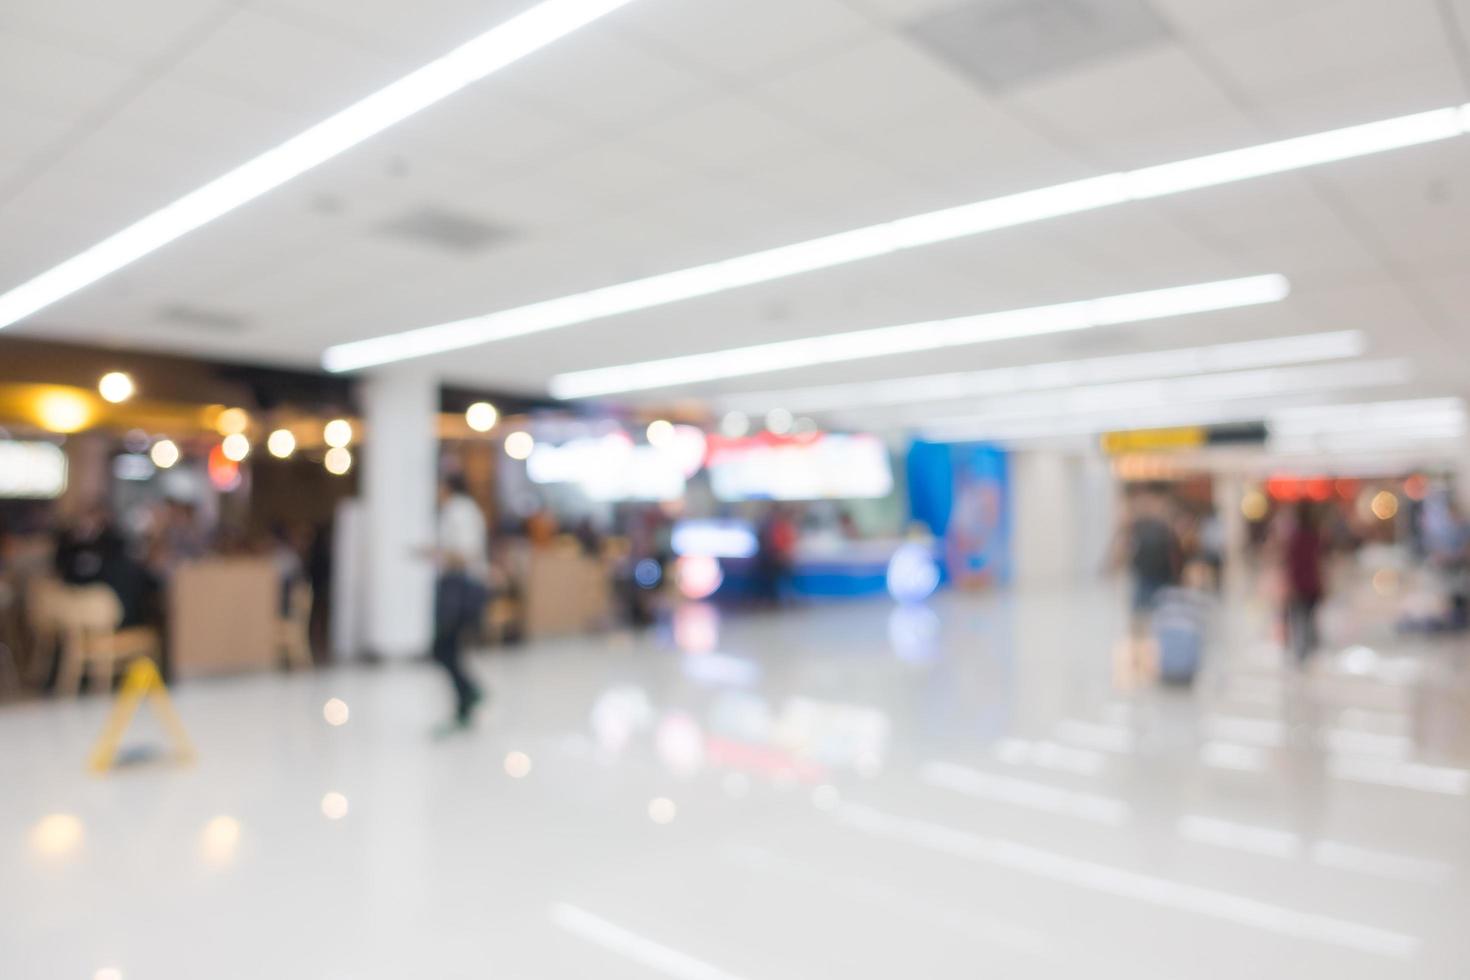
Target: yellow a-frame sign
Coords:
[(142, 680)]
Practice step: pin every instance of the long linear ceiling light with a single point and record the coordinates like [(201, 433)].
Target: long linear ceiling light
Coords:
[(495, 49), (1177, 362), (1091, 401), (904, 233), (910, 337)]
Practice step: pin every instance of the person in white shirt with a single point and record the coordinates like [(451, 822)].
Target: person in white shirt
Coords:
[(462, 588)]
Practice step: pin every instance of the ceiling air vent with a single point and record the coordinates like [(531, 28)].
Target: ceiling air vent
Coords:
[(446, 230), (198, 318), (1007, 43)]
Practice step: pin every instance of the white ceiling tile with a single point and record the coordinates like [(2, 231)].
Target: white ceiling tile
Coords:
[(267, 59), (51, 78), (1322, 47), (739, 38), (867, 86), (606, 83), (135, 31)]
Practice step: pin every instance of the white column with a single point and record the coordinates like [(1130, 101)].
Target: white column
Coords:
[(1044, 540), (399, 475)]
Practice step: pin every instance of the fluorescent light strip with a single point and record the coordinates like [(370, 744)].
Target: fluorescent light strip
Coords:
[(1162, 892), (931, 335), (923, 229), (1178, 362), (495, 49), (632, 946), (1090, 401), (1281, 418)]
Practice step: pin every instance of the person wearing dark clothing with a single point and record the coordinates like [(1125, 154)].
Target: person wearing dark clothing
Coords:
[(1302, 561), (1154, 553), (461, 590), (91, 552)]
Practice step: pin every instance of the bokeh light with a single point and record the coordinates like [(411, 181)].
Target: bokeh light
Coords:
[(481, 416), (648, 573), (661, 810), (1254, 505), (338, 460), (219, 841), (337, 433), (164, 454), (335, 712), (660, 433), (334, 806), (734, 425), (680, 744), (281, 444), (698, 576), (1386, 581), (57, 835), (232, 421), (1385, 505), (517, 765), (235, 447), (913, 574), (779, 421), (115, 387), (519, 445), (63, 411)]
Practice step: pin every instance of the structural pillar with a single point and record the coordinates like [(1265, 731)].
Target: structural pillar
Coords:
[(398, 479)]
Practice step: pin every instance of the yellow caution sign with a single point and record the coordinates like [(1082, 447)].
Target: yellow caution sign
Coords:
[(142, 681)]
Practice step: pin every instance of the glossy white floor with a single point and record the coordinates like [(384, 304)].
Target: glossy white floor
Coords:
[(838, 792)]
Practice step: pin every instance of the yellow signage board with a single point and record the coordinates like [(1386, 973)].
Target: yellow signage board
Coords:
[(1154, 440)]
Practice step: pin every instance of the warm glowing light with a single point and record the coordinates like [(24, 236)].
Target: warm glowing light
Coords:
[(481, 416), (1416, 487), (517, 765), (63, 411), (232, 421), (480, 56), (335, 712), (108, 973), (334, 806), (281, 444), (219, 840), (519, 445), (56, 835), (661, 810), (338, 460), (224, 473), (1254, 505), (235, 447), (337, 433), (115, 387), (660, 433), (1385, 505), (164, 454)]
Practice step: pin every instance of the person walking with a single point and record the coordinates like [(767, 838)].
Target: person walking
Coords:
[(1302, 560), (461, 589)]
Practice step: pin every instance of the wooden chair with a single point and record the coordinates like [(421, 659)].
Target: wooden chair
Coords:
[(293, 630), (89, 617), (44, 598)]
